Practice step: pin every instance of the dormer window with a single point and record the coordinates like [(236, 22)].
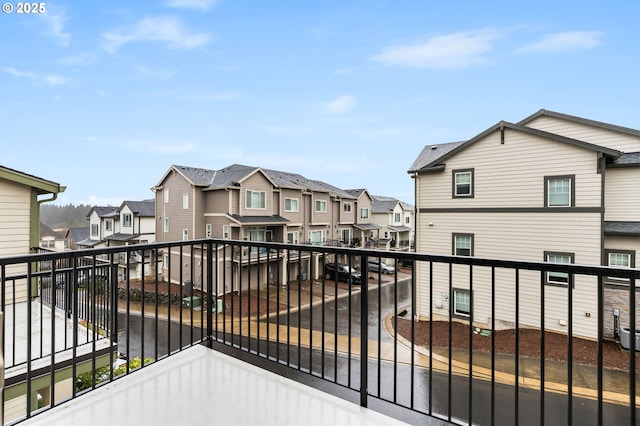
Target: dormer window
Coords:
[(127, 220)]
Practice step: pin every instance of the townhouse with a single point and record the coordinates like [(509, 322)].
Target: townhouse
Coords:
[(552, 187), (255, 204), (395, 221)]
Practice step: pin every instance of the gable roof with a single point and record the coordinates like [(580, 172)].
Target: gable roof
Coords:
[(358, 192), (588, 122), (103, 211), (79, 233), (144, 208), (46, 231), (231, 177), (434, 161), (43, 186)]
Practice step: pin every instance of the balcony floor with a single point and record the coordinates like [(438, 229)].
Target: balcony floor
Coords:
[(202, 386)]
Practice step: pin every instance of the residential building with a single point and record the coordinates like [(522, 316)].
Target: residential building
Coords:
[(552, 188), (395, 221), (52, 240), (256, 204), (76, 234), (103, 222), (365, 228)]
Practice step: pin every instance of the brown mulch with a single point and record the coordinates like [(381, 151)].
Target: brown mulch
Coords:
[(556, 346)]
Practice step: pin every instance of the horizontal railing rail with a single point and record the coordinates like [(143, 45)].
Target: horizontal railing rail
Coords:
[(464, 339)]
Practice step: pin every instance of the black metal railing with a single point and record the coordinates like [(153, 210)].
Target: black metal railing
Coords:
[(424, 338)]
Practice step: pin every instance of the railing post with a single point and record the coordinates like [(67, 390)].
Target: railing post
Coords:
[(210, 305), (364, 330)]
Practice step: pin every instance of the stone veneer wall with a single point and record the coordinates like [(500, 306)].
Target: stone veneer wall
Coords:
[(618, 298)]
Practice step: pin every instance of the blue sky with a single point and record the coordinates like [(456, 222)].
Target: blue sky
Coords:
[(103, 96)]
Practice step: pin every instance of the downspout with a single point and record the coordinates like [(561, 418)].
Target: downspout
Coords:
[(415, 288)]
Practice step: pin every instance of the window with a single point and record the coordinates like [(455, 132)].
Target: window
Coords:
[(462, 302), (208, 227), (559, 191), (396, 218), (463, 183), (185, 234), (321, 206), (166, 224), (346, 207), (345, 233), (185, 201), (290, 204), (364, 213), (292, 237), (126, 220), (94, 230), (225, 232), (166, 196), (317, 237), (620, 259), (108, 225), (165, 260), (463, 244), (255, 234), (558, 278), (407, 220), (256, 200)]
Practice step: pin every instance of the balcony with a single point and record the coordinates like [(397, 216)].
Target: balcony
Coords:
[(271, 339)]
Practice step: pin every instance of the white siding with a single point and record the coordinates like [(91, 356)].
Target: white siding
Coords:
[(15, 211), (595, 135), (622, 194)]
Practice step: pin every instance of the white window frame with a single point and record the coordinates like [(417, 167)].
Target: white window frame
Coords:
[(127, 220), (347, 207), (293, 205), (620, 254), (349, 233), (321, 206), (295, 237), (321, 232), (185, 201), (462, 296), (166, 224), (166, 196), (561, 279), (209, 230), (108, 225), (460, 182), (407, 220), (225, 232), (397, 218), (364, 213), (552, 185), (185, 234), (249, 200), (457, 246)]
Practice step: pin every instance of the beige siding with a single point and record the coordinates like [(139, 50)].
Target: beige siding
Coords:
[(624, 242), (293, 217), (512, 174), (622, 194), (257, 182), (15, 211), (217, 201), (179, 218), (320, 217), (348, 217), (584, 132)]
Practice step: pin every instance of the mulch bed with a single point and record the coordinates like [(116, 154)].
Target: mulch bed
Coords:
[(585, 351)]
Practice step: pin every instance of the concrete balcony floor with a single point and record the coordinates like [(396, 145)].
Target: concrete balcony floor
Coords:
[(200, 386)]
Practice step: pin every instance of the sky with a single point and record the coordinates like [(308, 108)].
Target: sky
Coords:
[(104, 96)]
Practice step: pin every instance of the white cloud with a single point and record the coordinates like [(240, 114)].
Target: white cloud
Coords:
[(46, 79), (457, 50), (341, 105), (192, 4), (84, 58), (55, 19), (160, 28), (566, 41)]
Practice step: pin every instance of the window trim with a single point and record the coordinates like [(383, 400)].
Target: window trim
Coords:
[(454, 192), (166, 224), (185, 234), (296, 239), (208, 230), (547, 281), (248, 198), (124, 220), (453, 243), (572, 191), (108, 225), (321, 202), (290, 210), (632, 264), (347, 207), (185, 201), (226, 232), (454, 303), (165, 196), (363, 210)]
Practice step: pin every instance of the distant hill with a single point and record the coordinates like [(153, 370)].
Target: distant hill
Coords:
[(68, 216)]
